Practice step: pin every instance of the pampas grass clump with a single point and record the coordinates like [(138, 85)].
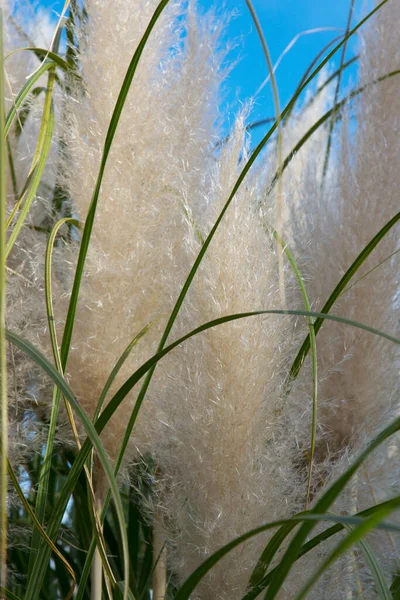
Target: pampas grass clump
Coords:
[(140, 230)]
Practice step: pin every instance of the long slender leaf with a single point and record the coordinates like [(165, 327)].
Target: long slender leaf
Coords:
[(42, 52), (301, 356), (40, 529), (48, 368), (312, 336), (309, 546), (378, 576), (24, 93), (41, 155), (356, 534), (307, 518), (322, 506), (337, 91)]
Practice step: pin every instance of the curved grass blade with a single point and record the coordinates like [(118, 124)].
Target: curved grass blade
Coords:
[(337, 92), (41, 531), (108, 384), (313, 543), (45, 472), (268, 120), (141, 371), (299, 360), (117, 368), (336, 109), (65, 390), (23, 94), (322, 505), (26, 109), (311, 67), (279, 147), (330, 79), (42, 52), (39, 160), (3, 355), (42, 489), (313, 343), (370, 271), (395, 588), (356, 534), (12, 168), (381, 584), (268, 554), (8, 594), (193, 580)]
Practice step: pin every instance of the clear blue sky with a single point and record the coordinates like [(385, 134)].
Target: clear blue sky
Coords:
[(281, 20)]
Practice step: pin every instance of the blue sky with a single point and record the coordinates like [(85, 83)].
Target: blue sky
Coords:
[(281, 20)]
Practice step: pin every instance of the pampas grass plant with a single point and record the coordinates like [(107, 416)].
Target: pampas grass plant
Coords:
[(198, 336)]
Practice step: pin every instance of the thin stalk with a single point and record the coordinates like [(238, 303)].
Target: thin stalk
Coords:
[(97, 528), (3, 357), (337, 91), (279, 195), (381, 262), (312, 335), (160, 560)]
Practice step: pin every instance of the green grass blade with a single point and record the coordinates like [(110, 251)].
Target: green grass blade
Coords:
[(141, 371), (42, 490), (36, 173), (356, 534), (12, 169), (337, 92), (395, 588), (381, 584), (335, 110), (193, 580), (3, 356), (26, 109), (299, 360), (24, 93), (381, 262), (8, 594), (119, 364), (65, 390), (311, 544), (279, 145), (93, 205), (268, 554), (322, 506), (313, 344), (42, 151), (42, 53), (39, 528)]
